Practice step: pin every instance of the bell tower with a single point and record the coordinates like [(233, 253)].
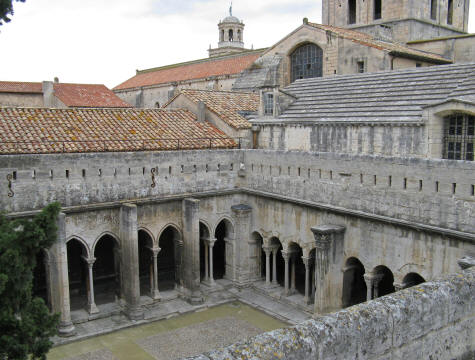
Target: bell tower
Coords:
[(400, 20), (231, 36)]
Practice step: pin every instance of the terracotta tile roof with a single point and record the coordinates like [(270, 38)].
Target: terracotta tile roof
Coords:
[(29, 130), (21, 87), (227, 104), (87, 95), (392, 47), (199, 69)]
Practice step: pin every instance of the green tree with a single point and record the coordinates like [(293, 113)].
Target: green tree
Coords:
[(26, 324), (6, 8)]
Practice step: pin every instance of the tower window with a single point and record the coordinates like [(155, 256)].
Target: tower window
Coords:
[(306, 62), (450, 12), (459, 137), (351, 11), (360, 67), (231, 35), (433, 9), (377, 9), (268, 103)]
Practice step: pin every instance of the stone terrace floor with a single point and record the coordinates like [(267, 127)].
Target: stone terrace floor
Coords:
[(173, 329)]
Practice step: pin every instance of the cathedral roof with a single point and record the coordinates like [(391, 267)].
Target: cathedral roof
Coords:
[(228, 105), (193, 70), (392, 96), (21, 87), (40, 131)]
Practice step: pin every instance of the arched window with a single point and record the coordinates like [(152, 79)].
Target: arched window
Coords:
[(459, 137), (231, 35), (306, 62), (377, 9), (351, 12)]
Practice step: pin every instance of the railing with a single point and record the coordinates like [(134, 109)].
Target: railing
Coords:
[(73, 146)]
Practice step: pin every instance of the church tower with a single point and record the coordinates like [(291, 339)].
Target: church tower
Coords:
[(399, 20), (231, 36)]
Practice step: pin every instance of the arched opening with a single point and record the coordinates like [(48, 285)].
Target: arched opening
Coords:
[(279, 263), (40, 280), (312, 275), (78, 274), (297, 269), (231, 35), (106, 270), (450, 12), (145, 263), (385, 285), (377, 9), (412, 279), (354, 285), (204, 238), (223, 231), (259, 257), (306, 62), (168, 259), (221, 38), (351, 12)]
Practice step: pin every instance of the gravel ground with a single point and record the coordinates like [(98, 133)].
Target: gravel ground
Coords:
[(102, 354), (198, 338)]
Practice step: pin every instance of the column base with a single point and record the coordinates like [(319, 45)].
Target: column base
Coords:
[(156, 295), (134, 312), (66, 329), (194, 298), (92, 309)]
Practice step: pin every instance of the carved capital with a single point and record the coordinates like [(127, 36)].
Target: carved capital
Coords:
[(324, 235), (89, 261), (373, 279), (155, 251)]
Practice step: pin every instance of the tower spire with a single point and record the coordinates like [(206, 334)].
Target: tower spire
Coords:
[(231, 9)]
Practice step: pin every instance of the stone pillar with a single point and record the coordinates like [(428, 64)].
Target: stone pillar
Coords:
[(372, 282), (242, 223), (128, 232), (274, 265), (268, 252), (59, 280), (325, 237), (155, 291), (191, 249), (211, 263), (308, 265), (206, 260), (91, 304), (286, 257), (292, 273), (399, 286)]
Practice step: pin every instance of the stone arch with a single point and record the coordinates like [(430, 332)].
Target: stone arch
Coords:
[(205, 226), (412, 279), (169, 257), (354, 286), (106, 268), (149, 233), (297, 267), (385, 285), (146, 243), (229, 230), (83, 242), (77, 252), (105, 233), (223, 248), (174, 226), (306, 61)]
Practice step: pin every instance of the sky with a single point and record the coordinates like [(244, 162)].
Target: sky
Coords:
[(105, 41)]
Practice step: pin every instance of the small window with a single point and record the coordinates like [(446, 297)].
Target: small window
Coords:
[(157, 105), (450, 12), (231, 35), (377, 9), (268, 103), (433, 9), (360, 67), (459, 131), (351, 12), (418, 65)]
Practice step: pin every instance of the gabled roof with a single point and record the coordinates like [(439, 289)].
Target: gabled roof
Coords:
[(87, 95), (199, 69), (226, 104), (40, 130), (21, 87), (392, 96), (394, 48)]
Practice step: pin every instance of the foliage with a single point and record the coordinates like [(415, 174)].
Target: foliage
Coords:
[(25, 322), (6, 8)]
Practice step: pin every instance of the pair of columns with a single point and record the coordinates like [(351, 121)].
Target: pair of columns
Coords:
[(372, 284), (209, 266), (271, 250)]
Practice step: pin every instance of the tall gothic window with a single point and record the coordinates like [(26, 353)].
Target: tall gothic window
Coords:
[(433, 9), (450, 12), (351, 11), (459, 137), (377, 9), (306, 62)]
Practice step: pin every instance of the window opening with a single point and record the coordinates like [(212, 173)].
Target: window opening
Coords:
[(360, 66), (231, 35), (459, 137), (306, 62), (352, 12), (433, 9), (450, 12), (268, 104), (377, 9)]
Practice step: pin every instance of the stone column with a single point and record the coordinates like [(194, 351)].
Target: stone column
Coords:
[(59, 280), (274, 265), (242, 222), (325, 237), (91, 304), (286, 257), (206, 260), (191, 249), (308, 265), (268, 252), (211, 263), (155, 291), (292, 273), (372, 282), (399, 286), (128, 232)]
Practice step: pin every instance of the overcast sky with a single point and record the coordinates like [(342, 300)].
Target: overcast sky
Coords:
[(105, 41)]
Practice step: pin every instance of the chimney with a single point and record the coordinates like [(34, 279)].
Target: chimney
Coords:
[(48, 94), (201, 112), (139, 101)]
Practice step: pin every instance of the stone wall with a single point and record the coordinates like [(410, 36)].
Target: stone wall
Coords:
[(431, 321), (458, 49), (23, 100)]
